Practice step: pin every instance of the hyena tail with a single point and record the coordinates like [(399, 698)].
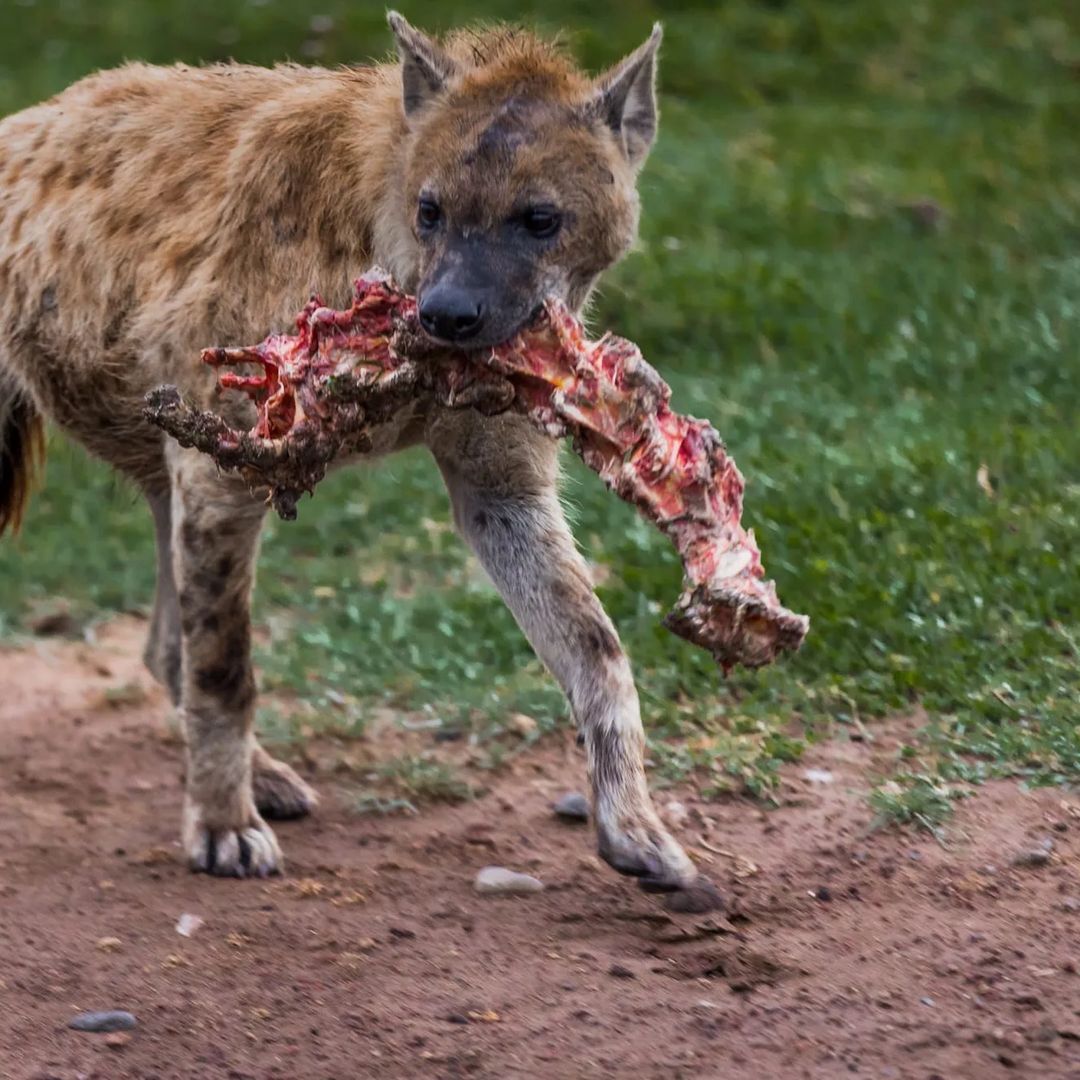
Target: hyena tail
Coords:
[(22, 452)]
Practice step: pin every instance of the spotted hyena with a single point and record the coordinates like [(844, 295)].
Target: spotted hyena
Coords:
[(149, 211)]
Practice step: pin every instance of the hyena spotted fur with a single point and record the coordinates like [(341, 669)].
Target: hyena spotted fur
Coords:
[(149, 211)]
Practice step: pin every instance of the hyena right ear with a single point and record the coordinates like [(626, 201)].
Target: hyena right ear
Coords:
[(425, 67)]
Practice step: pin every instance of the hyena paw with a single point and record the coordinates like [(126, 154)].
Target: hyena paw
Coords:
[(645, 850), (248, 850), (280, 794)]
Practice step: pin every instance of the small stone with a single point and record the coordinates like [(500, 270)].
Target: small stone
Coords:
[(109, 944), (498, 881), (620, 972), (573, 806), (818, 776), (402, 932), (1039, 856), (823, 893), (187, 924), (112, 1020), (117, 1040), (675, 814), (697, 898), (1070, 905), (521, 723), (457, 1018), (927, 1001)]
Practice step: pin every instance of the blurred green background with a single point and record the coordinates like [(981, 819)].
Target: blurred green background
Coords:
[(860, 258)]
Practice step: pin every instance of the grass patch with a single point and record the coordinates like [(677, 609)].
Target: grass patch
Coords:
[(858, 258), (923, 801), (422, 778)]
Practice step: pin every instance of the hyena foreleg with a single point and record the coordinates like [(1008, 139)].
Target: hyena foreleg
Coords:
[(215, 539), (280, 794), (501, 477)]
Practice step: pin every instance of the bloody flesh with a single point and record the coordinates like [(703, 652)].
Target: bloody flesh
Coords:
[(322, 390)]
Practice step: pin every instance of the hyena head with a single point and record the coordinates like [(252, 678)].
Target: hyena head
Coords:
[(519, 174)]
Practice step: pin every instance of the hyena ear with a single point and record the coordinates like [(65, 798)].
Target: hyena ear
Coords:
[(425, 68), (626, 99)]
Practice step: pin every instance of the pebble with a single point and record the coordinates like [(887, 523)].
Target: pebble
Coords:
[(621, 972), (497, 880), (1039, 856), (187, 924), (113, 1020), (523, 724), (573, 806)]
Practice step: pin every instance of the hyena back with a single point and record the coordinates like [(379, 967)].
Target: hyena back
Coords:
[(147, 212)]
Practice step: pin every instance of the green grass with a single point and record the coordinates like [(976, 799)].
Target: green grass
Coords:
[(862, 367), (924, 802)]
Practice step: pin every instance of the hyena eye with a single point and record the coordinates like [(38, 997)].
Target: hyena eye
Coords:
[(428, 213), (541, 221)]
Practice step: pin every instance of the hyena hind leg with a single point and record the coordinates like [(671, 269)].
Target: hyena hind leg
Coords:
[(280, 793), (502, 482)]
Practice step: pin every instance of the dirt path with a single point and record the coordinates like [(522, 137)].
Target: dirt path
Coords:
[(841, 953)]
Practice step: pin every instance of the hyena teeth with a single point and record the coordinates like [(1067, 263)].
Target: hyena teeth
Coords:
[(324, 388)]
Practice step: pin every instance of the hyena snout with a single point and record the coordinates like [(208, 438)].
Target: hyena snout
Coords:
[(479, 293), (452, 312)]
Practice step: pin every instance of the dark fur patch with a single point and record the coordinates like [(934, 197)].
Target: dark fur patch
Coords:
[(607, 758), (50, 177), (121, 308), (230, 680), (600, 643), (194, 539)]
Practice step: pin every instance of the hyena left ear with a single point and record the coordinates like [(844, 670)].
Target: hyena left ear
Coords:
[(626, 98), (425, 67)]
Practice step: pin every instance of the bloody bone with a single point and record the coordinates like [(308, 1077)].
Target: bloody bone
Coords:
[(322, 390)]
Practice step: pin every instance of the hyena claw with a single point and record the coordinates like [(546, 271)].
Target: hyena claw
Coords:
[(250, 851), (648, 854)]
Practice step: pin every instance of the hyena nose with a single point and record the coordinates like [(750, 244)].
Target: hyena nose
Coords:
[(451, 314)]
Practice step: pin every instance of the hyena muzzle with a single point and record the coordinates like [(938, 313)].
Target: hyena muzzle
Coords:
[(146, 212)]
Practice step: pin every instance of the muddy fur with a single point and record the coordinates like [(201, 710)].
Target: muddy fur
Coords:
[(148, 212)]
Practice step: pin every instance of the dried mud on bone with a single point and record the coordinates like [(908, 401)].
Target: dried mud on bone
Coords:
[(322, 390)]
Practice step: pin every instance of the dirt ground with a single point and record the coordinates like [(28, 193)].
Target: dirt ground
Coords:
[(841, 952)]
